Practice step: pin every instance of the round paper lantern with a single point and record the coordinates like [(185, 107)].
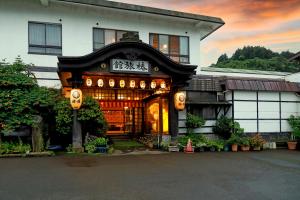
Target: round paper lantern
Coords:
[(76, 98), (132, 83), (100, 82), (89, 82), (142, 84), (163, 85), (179, 100), (111, 82), (153, 84), (122, 83)]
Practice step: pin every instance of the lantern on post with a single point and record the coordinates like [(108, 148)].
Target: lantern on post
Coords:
[(76, 98), (179, 100)]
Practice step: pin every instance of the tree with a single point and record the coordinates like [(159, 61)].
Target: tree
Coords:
[(258, 58), (21, 99), (223, 58), (90, 116)]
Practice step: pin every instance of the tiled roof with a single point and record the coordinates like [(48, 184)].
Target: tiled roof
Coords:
[(198, 83), (261, 85), (243, 71)]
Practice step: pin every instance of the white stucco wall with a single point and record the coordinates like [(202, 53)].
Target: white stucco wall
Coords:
[(245, 110), (77, 25)]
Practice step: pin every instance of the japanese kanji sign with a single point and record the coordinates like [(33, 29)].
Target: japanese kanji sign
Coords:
[(129, 66)]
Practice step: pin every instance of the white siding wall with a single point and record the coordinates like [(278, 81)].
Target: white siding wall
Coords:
[(245, 110), (77, 25)]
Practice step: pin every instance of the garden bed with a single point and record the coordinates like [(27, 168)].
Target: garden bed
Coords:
[(30, 154)]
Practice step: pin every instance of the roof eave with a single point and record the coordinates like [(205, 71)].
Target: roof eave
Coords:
[(145, 9)]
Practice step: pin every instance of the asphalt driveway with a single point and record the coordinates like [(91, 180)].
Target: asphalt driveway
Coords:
[(253, 175)]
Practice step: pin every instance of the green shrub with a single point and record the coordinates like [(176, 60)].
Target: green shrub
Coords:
[(245, 141), (193, 121), (90, 116), (294, 122), (13, 147), (21, 99), (257, 141), (223, 127), (234, 139), (217, 144), (90, 146)]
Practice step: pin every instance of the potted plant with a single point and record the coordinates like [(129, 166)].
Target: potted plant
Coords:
[(97, 145), (294, 122), (235, 138), (193, 122), (245, 144), (256, 142), (234, 141)]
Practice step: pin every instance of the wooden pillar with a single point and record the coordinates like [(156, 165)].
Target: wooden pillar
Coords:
[(173, 115), (76, 128), (76, 133)]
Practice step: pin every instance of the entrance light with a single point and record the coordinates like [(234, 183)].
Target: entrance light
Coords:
[(111, 82), (153, 84), (142, 84), (122, 83), (76, 98), (100, 82), (132, 83), (163, 85), (89, 82)]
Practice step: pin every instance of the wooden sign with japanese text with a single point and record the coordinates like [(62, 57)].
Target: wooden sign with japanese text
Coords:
[(129, 66)]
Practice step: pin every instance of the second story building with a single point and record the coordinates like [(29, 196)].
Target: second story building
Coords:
[(40, 30)]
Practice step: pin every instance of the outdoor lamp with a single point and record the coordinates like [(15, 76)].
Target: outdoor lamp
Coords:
[(111, 82), (179, 100), (100, 82), (76, 98), (132, 83), (153, 84), (89, 82), (122, 83), (143, 84), (163, 85)]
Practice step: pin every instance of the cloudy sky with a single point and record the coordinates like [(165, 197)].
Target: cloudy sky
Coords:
[(274, 24)]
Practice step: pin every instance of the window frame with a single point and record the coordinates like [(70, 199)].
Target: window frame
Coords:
[(109, 29), (45, 46), (169, 50)]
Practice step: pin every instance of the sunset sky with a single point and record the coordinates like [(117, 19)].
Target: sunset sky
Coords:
[(274, 24)]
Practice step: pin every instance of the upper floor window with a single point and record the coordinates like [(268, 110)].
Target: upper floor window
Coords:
[(44, 38), (175, 47), (102, 37)]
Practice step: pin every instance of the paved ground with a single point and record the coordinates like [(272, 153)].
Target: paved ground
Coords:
[(255, 175)]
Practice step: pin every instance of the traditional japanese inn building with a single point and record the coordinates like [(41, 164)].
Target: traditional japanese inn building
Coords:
[(142, 65)]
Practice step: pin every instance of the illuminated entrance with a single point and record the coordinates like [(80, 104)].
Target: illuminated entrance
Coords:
[(131, 105), (134, 84)]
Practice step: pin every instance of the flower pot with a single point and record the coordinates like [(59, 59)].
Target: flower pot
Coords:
[(212, 149), (101, 149), (173, 148), (234, 147), (245, 148), (256, 148), (226, 148), (201, 149), (292, 145)]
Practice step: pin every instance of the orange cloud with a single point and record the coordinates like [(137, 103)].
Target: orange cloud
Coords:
[(257, 22)]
